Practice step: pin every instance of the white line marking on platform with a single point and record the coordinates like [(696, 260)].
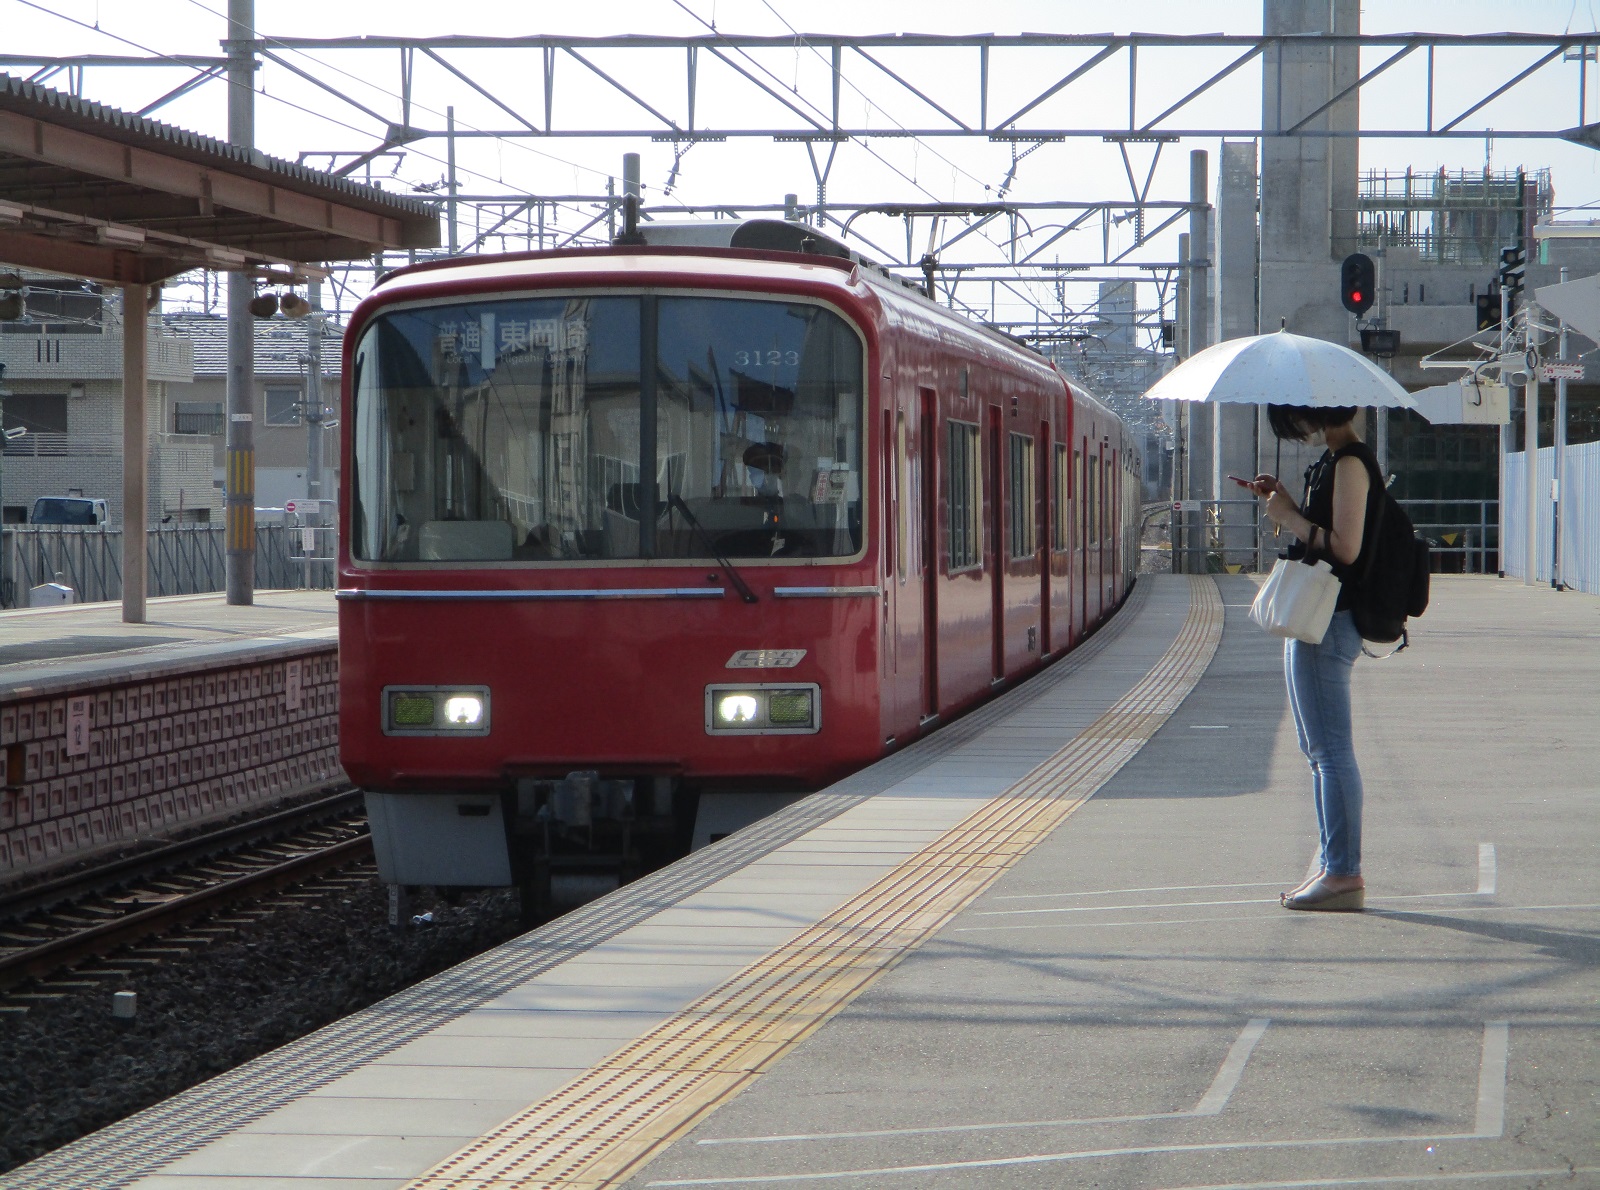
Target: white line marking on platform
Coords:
[(1486, 869), (1492, 1079), (1187, 921), (1400, 1179), (1209, 726), (1211, 1104), (1222, 1087), (940, 1130), (1116, 908), (1080, 1155), (1112, 892)]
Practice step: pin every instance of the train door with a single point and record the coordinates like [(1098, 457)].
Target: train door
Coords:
[(1110, 533), (1082, 554), (928, 553), (893, 545), (1041, 534), (997, 544)]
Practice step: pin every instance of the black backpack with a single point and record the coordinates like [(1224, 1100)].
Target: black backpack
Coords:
[(1393, 580)]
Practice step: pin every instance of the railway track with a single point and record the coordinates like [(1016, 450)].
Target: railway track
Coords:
[(148, 908)]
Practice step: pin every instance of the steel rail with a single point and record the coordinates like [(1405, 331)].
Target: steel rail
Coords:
[(43, 896), (47, 958)]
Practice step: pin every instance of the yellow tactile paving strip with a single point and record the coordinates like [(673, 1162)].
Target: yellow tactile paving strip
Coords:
[(600, 1128)]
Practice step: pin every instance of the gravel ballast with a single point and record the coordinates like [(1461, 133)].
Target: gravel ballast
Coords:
[(67, 1067)]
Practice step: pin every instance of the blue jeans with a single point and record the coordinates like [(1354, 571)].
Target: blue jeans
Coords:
[(1319, 696)]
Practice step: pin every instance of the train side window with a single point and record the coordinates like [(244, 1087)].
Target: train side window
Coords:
[(1021, 477), (966, 502), (902, 495), (1094, 499), (1061, 478), (1077, 477)]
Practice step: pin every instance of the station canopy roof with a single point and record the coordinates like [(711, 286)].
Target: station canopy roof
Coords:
[(92, 191)]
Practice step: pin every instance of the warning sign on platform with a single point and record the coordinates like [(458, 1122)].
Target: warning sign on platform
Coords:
[(1186, 506), (1569, 371)]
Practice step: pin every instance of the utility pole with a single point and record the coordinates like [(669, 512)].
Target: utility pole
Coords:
[(1559, 445), (1530, 454), (240, 484), (313, 407), (450, 174)]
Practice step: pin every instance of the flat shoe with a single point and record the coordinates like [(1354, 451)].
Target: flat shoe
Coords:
[(1320, 897)]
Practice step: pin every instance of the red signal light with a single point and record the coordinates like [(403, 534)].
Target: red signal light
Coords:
[(1355, 295)]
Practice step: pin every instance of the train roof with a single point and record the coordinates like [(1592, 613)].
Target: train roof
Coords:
[(748, 250)]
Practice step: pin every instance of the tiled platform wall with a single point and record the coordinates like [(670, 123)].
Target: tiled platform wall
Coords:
[(151, 756)]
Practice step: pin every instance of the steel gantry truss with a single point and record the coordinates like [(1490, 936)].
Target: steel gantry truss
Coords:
[(1022, 91), (1109, 64)]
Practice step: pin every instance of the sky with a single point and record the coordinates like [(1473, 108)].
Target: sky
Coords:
[(293, 116)]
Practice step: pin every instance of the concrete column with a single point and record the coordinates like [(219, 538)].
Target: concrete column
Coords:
[(1237, 259), (239, 505), (135, 451), (1308, 185)]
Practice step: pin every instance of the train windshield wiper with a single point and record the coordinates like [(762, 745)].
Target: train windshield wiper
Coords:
[(676, 501)]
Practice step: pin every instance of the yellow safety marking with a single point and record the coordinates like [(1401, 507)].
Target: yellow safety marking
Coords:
[(599, 1129)]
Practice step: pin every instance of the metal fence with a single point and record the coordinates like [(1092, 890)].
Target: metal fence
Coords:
[(1208, 537), (181, 560), (1580, 515)]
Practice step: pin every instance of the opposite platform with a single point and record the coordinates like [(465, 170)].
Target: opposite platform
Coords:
[(117, 733)]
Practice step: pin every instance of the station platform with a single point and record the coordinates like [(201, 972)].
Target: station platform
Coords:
[(42, 645), (1041, 948), (114, 734)]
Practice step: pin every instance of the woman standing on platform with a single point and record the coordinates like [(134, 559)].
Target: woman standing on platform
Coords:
[(1329, 525)]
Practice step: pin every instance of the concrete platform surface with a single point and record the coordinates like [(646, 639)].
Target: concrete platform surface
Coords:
[(39, 646), (1129, 1006)]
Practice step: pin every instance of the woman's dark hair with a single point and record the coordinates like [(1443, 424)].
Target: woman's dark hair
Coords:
[(1299, 422)]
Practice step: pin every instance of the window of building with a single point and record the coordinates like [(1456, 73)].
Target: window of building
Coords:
[(197, 417), (1022, 488), (966, 497), (283, 407), (1061, 478), (37, 413)]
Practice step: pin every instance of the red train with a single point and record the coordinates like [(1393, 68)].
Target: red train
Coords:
[(623, 527)]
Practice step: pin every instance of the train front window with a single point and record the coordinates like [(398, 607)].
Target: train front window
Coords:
[(759, 438), (519, 430)]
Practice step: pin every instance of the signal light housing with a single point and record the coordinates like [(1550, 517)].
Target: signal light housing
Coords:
[(1358, 283)]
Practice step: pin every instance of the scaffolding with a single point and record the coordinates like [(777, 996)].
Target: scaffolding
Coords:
[(1451, 216)]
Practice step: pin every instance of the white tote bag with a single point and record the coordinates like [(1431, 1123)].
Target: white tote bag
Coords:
[(1297, 600)]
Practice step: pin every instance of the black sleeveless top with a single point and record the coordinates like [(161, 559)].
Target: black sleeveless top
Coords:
[(1317, 506)]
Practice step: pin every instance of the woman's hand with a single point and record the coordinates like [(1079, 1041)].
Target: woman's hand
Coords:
[(1281, 509), (1266, 484)]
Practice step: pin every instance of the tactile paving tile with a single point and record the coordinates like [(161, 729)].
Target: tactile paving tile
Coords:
[(602, 1126), (145, 1142)]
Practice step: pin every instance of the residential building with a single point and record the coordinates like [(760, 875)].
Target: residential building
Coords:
[(62, 386), (282, 373)]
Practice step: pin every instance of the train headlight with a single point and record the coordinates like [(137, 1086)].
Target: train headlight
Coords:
[(436, 710), (738, 708), (463, 710), (763, 709)]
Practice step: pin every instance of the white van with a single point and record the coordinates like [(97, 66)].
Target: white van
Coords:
[(83, 511)]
